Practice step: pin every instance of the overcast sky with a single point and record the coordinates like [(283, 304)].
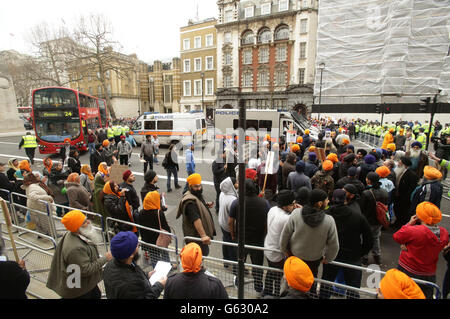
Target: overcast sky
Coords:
[(149, 28)]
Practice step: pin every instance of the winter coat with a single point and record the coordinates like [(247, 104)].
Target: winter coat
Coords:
[(310, 169), (189, 285), (172, 160), (288, 167), (297, 180), (56, 184), (124, 148), (323, 180), (429, 191), (74, 165), (351, 227), (7, 185), (95, 159), (87, 183), (367, 203), (227, 195), (348, 180), (147, 150), (131, 195), (14, 281), (35, 194), (78, 196), (276, 219), (291, 293), (97, 197), (365, 169), (310, 235), (115, 207), (218, 170), (149, 219), (124, 281), (72, 250), (423, 248)]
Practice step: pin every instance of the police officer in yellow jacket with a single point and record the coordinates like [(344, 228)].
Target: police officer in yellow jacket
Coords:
[(29, 143)]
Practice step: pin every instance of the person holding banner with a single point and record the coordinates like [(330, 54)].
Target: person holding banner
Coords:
[(14, 278)]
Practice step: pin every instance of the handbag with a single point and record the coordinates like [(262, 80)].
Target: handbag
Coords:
[(382, 213), (163, 240)]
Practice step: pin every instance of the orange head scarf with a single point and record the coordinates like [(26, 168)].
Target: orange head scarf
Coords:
[(86, 169), (108, 189), (25, 165), (397, 285), (383, 171), (431, 173), (73, 220), (428, 213), (103, 168), (298, 275), (327, 165), (48, 164), (72, 178), (191, 258), (152, 201)]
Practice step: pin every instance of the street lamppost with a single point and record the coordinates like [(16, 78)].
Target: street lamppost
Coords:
[(203, 89), (139, 96), (321, 67)]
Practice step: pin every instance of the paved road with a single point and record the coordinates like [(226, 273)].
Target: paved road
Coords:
[(390, 249)]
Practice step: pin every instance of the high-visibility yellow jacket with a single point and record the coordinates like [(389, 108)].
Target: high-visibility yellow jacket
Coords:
[(29, 141)]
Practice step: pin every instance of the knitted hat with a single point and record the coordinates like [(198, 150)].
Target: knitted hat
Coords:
[(126, 174), (123, 245), (300, 166)]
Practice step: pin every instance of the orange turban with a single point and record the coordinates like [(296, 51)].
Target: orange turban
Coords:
[(25, 165), (391, 130), (152, 201), (267, 137), (73, 177), (307, 132), (295, 148), (67, 140), (428, 213), (191, 258), (397, 285), (298, 274), (391, 147), (103, 168), (430, 172), (312, 148), (333, 157), (345, 141), (194, 179), (105, 143), (383, 171), (327, 165), (73, 220), (299, 139)]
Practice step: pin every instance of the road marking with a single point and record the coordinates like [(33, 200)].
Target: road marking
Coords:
[(135, 173), (9, 143)]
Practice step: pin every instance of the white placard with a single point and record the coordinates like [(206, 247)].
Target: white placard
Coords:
[(269, 163), (162, 268)]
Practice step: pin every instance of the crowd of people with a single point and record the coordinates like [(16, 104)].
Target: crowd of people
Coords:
[(318, 203)]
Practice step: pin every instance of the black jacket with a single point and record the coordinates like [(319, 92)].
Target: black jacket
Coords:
[(14, 280), (172, 160), (194, 286), (219, 173), (74, 165), (131, 195), (124, 281), (95, 159), (115, 207), (351, 227), (368, 203), (347, 180), (7, 185), (149, 218), (365, 169)]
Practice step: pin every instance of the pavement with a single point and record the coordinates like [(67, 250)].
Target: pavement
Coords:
[(204, 158)]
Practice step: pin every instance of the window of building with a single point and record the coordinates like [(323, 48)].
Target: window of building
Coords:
[(209, 40), (265, 8), (282, 33), (248, 38), (107, 74), (197, 87), (187, 66), (280, 78), (283, 5), (99, 90), (303, 26), (264, 36), (249, 12), (247, 54), (247, 79), (263, 55), (187, 88), (91, 92), (108, 88), (167, 93), (186, 44), (228, 16), (302, 50), (209, 63), (227, 58), (197, 42), (98, 75), (197, 64), (301, 76), (227, 37), (227, 81), (263, 78), (281, 53), (209, 87), (305, 4)]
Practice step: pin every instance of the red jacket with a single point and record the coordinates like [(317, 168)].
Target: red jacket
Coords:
[(423, 248)]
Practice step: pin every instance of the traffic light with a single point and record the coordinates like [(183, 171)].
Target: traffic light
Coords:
[(378, 108), (387, 109), (424, 107)]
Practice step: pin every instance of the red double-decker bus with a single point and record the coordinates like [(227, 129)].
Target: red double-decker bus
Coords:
[(60, 113)]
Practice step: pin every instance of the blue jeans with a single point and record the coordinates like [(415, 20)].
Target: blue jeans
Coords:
[(171, 171), (91, 148)]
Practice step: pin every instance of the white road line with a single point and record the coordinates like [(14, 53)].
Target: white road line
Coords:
[(135, 173), (9, 143)]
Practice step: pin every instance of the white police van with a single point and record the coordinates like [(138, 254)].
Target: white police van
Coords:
[(170, 128)]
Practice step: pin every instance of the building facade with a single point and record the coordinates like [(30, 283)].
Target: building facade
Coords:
[(164, 86), (198, 53), (266, 53)]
